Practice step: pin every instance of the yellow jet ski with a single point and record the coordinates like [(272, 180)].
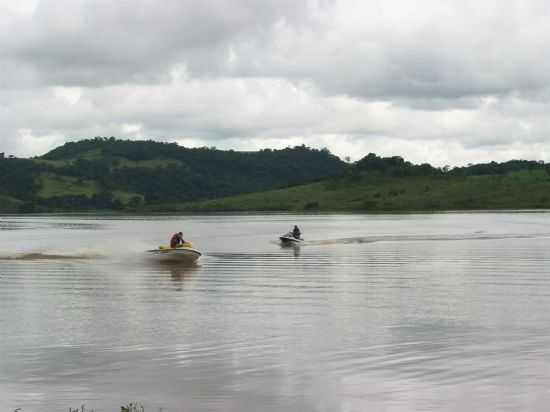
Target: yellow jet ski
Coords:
[(184, 253)]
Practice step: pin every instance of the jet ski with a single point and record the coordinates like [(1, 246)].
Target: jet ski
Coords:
[(183, 253), (289, 239)]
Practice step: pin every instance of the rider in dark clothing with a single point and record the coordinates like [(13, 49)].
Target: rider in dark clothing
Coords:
[(177, 240), (296, 232)]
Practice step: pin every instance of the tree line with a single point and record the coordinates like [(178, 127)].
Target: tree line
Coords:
[(178, 174)]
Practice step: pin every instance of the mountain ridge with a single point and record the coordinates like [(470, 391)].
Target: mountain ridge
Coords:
[(86, 174), (133, 176)]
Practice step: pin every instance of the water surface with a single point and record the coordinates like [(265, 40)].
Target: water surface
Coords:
[(385, 312)]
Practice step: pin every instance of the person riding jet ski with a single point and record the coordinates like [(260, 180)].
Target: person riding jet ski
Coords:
[(296, 232), (180, 250), (177, 240), (293, 237)]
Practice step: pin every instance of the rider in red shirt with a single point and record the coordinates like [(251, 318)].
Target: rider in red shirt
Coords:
[(177, 240)]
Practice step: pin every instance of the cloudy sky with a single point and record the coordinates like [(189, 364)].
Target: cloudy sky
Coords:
[(443, 81)]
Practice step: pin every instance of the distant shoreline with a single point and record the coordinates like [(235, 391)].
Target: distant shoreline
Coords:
[(115, 213), (135, 177)]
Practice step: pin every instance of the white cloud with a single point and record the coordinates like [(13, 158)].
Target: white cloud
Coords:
[(440, 81), (29, 144)]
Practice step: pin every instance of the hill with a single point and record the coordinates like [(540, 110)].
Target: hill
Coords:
[(106, 173), (120, 174), (377, 184)]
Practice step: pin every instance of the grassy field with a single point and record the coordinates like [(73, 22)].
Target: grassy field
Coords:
[(55, 185), (118, 162), (525, 189), (149, 164), (518, 190), (126, 197), (53, 163)]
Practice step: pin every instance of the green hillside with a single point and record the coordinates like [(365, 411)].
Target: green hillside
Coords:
[(116, 174), (524, 189), (106, 173), (52, 185), (9, 204)]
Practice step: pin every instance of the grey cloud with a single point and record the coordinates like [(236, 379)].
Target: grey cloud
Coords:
[(103, 42), (456, 77), (441, 49)]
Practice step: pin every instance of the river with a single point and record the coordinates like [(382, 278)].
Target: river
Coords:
[(424, 312)]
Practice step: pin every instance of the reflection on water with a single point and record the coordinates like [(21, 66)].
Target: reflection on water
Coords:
[(180, 274), (294, 248), (179, 271), (385, 312)]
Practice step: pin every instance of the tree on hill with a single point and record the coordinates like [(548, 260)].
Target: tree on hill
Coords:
[(394, 166), (17, 178), (154, 173), (494, 168)]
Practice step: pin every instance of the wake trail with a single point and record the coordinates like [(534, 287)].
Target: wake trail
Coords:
[(423, 238), (30, 256)]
